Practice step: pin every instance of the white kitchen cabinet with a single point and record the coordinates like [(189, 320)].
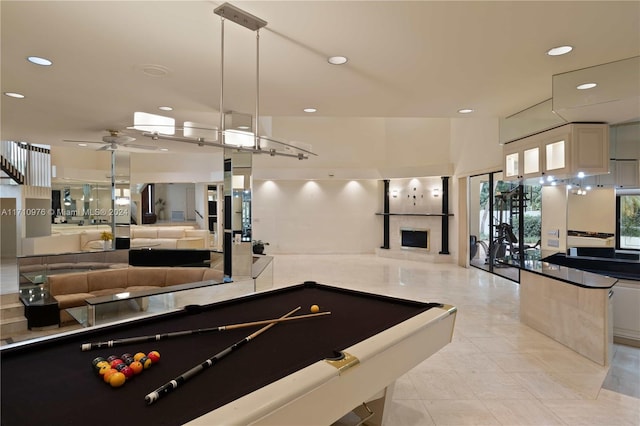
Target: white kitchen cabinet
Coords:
[(622, 174), (561, 152), (626, 315), (627, 174)]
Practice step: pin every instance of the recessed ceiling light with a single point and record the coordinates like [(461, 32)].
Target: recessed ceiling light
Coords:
[(14, 95), (310, 110), (337, 60), (82, 144), (165, 108), (39, 61), (164, 149), (465, 111), (560, 50), (586, 86)]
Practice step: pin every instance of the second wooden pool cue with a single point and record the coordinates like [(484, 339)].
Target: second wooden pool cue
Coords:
[(163, 336), (178, 381)]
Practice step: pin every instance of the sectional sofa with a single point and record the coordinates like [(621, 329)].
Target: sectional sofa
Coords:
[(72, 289), (79, 239), (168, 237)]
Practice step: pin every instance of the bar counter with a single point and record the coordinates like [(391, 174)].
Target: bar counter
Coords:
[(569, 305)]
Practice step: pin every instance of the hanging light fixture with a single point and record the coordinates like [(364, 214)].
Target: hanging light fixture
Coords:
[(245, 138)]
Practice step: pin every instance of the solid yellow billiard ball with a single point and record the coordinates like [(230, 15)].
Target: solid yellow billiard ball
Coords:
[(315, 309)]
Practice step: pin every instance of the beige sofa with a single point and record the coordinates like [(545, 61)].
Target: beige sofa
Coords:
[(72, 242), (71, 290), (168, 237)]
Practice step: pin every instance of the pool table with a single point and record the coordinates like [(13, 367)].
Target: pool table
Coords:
[(302, 372)]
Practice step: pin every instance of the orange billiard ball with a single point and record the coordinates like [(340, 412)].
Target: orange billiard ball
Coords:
[(315, 309), (107, 375), (137, 367)]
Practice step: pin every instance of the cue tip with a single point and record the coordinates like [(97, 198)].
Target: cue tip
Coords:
[(86, 347)]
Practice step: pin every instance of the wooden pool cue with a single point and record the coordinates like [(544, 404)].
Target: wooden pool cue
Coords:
[(178, 381), (157, 337)]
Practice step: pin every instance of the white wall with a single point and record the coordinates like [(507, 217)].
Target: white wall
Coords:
[(474, 146), (594, 212), (554, 218), (205, 166), (360, 148), (313, 217), (8, 229)]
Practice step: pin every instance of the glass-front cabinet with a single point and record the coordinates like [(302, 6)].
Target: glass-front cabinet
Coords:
[(522, 160), (558, 153)]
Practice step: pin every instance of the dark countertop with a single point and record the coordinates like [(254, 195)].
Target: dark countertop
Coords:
[(626, 269), (569, 275)]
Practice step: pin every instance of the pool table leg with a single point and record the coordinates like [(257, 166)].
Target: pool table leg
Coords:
[(373, 411)]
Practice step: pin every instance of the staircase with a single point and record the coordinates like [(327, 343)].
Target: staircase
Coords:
[(26, 163), (12, 320)]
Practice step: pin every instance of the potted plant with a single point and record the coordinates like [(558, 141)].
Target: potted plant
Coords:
[(258, 246), (106, 238)]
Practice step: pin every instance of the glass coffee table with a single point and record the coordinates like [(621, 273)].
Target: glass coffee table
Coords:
[(129, 305)]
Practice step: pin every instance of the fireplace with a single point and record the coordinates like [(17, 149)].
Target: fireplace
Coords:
[(414, 238)]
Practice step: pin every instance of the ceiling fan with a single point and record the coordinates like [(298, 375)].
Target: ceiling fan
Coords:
[(113, 141)]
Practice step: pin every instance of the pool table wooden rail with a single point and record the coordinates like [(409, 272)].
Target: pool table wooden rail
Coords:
[(320, 394)]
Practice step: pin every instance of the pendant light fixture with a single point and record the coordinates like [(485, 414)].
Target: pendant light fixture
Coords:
[(240, 131)]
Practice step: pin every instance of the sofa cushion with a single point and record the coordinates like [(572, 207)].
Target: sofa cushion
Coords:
[(143, 232), (68, 283), (108, 291), (171, 232), (142, 287), (178, 275), (61, 265), (142, 242), (200, 233), (66, 301), (88, 238), (165, 243), (146, 276), (93, 245), (107, 278), (190, 243)]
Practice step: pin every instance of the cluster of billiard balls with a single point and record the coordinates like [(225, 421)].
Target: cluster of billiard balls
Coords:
[(116, 370)]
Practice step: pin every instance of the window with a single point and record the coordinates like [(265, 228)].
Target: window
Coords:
[(628, 212)]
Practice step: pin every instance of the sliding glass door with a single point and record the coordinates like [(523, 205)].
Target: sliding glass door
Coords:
[(504, 224)]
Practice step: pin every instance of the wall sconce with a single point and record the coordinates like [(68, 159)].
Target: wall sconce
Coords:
[(436, 192), (394, 193)]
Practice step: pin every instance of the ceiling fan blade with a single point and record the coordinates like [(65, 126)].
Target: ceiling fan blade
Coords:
[(77, 141)]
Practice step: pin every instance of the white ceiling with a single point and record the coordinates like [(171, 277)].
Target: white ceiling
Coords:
[(406, 59)]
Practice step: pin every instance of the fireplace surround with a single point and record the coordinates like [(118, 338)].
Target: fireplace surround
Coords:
[(412, 238)]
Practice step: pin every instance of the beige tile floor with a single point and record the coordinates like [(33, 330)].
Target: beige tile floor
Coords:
[(496, 371)]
